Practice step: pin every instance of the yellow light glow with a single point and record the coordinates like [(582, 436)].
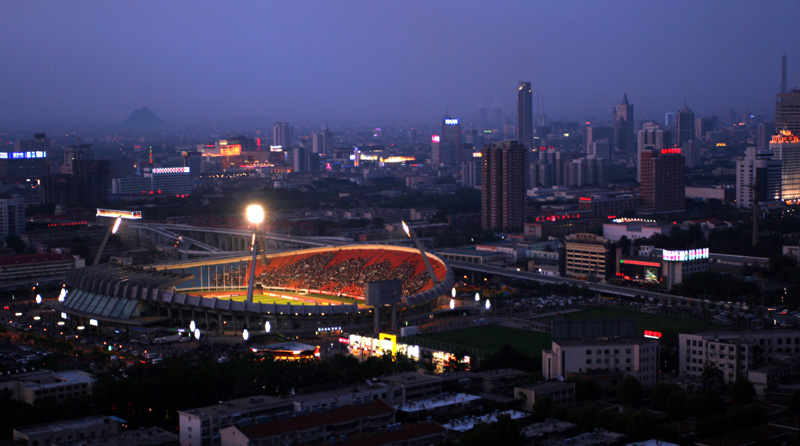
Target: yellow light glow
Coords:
[(255, 214)]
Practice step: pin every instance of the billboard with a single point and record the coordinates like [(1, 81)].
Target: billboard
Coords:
[(383, 292), (685, 255)]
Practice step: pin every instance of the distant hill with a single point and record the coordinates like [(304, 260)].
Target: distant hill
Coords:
[(144, 119)]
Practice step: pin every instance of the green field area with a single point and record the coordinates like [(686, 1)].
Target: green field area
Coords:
[(646, 321), (492, 337)]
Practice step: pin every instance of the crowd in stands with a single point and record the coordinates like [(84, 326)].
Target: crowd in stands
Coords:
[(343, 272)]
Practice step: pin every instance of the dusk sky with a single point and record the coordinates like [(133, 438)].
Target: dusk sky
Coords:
[(376, 62)]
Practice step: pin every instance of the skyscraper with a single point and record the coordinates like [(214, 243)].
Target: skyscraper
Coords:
[(663, 180), (503, 186), (757, 170), (282, 135), (592, 134), (684, 125), (786, 147), (322, 142), (623, 127), (450, 142), (93, 181), (525, 114), (12, 216), (787, 111)]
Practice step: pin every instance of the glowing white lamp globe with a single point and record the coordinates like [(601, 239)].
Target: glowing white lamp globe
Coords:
[(453, 292), (267, 326), (488, 304), (38, 298), (62, 295), (192, 326), (452, 304), (197, 333), (255, 214), (477, 297), (245, 334)]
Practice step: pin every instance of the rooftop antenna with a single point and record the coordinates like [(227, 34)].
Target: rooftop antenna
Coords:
[(783, 74)]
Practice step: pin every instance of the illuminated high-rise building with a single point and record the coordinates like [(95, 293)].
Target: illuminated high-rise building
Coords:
[(503, 186), (787, 111), (446, 147), (663, 180), (624, 140), (525, 114), (651, 136), (786, 147), (684, 125)]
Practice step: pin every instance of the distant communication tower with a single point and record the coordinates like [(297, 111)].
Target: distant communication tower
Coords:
[(783, 75)]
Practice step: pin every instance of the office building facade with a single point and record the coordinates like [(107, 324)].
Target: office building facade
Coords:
[(684, 125), (757, 171), (786, 147), (282, 135), (787, 111), (603, 359), (624, 140), (12, 216)]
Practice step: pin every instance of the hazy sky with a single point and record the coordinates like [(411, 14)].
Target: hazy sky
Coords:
[(387, 61)]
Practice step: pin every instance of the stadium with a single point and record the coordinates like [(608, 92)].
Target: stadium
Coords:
[(301, 292)]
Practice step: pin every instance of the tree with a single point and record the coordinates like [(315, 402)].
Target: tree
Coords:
[(675, 405), (630, 391), (543, 408), (661, 392), (743, 391)]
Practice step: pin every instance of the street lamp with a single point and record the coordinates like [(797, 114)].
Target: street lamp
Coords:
[(255, 215)]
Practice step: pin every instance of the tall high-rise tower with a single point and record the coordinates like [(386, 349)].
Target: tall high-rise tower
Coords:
[(623, 126), (651, 136), (787, 111), (684, 125), (503, 186), (525, 114), (449, 144), (757, 172), (282, 135), (784, 86), (663, 180), (786, 147)]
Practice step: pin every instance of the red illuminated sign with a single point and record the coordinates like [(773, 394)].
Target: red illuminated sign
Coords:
[(652, 334), (435, 138), (639, 262), (585, 199), (343, 340), (672, 151)]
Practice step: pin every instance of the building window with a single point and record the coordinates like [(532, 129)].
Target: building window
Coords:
[(588, 352)]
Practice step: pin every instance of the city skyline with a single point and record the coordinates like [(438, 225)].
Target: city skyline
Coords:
[(361, 63)]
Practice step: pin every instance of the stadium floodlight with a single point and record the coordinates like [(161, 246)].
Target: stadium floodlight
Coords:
[(192, 326), (267, 326), (255, 215), (406, 228), (245, 334), (411, 234), (113, 230)]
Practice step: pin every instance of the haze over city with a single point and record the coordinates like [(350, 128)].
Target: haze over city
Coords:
[(365, 62)]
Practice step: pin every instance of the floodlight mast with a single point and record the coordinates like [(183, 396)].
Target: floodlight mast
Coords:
[(111, 230), (255, 215), (413, 235)]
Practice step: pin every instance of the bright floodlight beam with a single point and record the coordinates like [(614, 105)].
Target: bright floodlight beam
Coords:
[(255, 215), (413, 235), (113, 230)]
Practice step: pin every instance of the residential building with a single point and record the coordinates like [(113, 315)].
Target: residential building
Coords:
[(45, 384), (337, 424), (609, 359), (32, 266), (663, 180), (562, 393), (12, 216), (72, 431), (651, 136), (413, 386), (156, 181), (503, 186), (684, 126), (201, 426), (736, 353), (592, 134)]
